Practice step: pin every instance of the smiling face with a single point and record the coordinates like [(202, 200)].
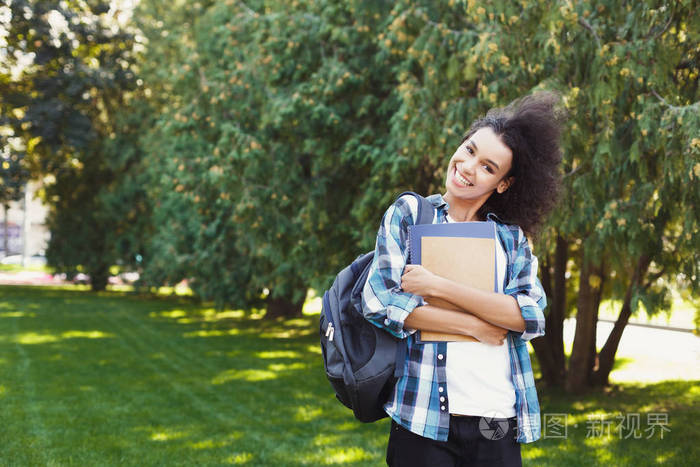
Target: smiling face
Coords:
[(477, 168)]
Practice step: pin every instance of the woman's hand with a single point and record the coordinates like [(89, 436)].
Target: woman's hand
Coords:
[(436, 319), (419, 281), (488, 333)]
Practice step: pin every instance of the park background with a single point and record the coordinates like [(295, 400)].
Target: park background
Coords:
[(249, 149)]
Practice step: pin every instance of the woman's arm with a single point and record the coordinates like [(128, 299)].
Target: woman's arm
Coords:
[(431, 318), (384, 304), (495, 308)]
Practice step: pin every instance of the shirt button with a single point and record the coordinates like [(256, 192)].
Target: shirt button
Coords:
[(442, 399), (442, 408), (386, 322), (440, 356), (441, 389)]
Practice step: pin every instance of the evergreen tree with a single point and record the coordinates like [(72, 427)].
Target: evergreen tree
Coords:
[(628, 76), (261, 150)]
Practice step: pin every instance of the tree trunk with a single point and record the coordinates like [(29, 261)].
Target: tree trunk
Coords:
[(558, 313), (606, 357), (99, 277), (583, 353), (283, 307), (550, 348)]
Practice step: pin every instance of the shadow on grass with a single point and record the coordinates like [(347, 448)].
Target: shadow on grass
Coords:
[(112, 378), (122, 379), (626, 424)]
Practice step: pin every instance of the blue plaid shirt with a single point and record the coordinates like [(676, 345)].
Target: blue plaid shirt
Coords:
[(415, 403)]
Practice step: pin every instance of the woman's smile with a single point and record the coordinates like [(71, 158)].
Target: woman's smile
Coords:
[(461, 179)]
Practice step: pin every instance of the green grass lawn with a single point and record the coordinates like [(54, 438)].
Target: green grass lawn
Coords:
[(106, 379), (19, 268)]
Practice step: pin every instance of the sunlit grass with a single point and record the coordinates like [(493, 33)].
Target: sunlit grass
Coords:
[(250, 375), (19, 268), (112, 378), (179, 290), (28, 338), (14, 314), (242, 458), (278, 354), (313, 304), (116, 379)]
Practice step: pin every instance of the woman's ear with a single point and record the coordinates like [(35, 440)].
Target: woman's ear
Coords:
[(504, 184)]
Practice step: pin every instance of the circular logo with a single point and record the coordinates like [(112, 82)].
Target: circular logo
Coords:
[(493, 426)]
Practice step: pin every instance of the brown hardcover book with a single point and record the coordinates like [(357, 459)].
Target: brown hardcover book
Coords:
[(464, 252)]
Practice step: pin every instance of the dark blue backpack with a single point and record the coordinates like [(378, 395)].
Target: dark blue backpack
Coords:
[(362, 362)]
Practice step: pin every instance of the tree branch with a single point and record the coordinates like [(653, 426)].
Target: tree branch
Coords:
[(675, 108), (452, 31), (203, 79), (573, 171), (587, 25), (663, 30), (248, 9)]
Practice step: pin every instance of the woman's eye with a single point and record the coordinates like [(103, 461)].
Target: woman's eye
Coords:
[(470, 150), (488, 168)]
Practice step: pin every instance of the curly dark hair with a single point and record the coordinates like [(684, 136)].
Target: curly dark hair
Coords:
[(530, 127)]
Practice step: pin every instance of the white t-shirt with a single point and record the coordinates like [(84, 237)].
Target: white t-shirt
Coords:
[(478, 375)]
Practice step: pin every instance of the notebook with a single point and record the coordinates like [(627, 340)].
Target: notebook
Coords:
[(464, 252)]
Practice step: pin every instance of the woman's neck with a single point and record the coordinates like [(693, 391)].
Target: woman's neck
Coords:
[(464, 211)]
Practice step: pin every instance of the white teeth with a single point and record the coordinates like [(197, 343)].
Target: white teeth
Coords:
[(463, 180)]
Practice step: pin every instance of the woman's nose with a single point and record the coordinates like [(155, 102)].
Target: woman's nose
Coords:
[(469, 164)]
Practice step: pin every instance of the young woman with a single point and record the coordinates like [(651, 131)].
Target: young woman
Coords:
[(471, 403)]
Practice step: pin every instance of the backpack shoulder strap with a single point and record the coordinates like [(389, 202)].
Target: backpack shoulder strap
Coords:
[(426, 213), (426, 210)]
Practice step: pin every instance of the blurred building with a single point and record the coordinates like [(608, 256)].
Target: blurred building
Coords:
[(27, 231)]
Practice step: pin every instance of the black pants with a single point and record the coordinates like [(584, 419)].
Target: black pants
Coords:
[(473, 441)]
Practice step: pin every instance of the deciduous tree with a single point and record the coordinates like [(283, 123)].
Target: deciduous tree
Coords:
[(70, 65)]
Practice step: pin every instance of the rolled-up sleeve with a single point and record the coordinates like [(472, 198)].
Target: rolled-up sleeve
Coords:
[(525, 287), (384, 304)]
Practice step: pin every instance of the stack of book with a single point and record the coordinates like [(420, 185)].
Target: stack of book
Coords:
[(464, 252)]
